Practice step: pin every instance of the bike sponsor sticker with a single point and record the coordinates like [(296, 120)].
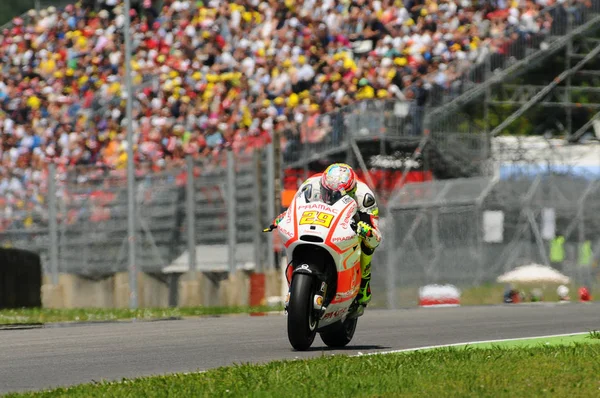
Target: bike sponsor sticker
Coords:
[(311, 217), (346, 221), (318, 206), (286, 232), (342, 239), (349, 293), (335, 314)]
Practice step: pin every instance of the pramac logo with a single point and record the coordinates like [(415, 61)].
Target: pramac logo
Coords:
[(342, 239), (346, 221), (318, 206)]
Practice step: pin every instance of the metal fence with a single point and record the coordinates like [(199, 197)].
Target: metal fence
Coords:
[(377, 137), (93, 221), (434, 232), (335, 132), (372, 133), (469, 231), (229, 207)]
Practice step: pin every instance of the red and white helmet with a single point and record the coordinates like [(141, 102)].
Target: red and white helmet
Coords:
[(337, 180)]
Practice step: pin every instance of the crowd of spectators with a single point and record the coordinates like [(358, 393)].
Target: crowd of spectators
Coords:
[(210, 75)]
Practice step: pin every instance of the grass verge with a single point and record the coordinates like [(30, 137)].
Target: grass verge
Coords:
[(46, 315), (594, 334), (593, 337), (562, 370)]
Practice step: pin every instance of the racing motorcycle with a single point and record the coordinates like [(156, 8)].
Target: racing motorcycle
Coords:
[(323, 274)]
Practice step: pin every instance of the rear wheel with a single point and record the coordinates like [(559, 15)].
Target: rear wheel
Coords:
[(339, 334), (301, 320)]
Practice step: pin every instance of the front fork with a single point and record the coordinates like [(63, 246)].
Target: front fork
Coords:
[(318, 300), (355, 310)]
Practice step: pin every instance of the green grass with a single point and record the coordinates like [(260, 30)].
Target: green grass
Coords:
[(594, 334), (46, 315), (562, 370), (482, 295), (537, 342)]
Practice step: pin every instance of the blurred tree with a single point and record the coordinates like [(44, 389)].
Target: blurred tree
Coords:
[(12, 8)]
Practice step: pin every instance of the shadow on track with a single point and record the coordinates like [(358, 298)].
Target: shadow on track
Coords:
[(349, 348)]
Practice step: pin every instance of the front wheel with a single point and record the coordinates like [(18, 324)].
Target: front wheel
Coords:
[(340, 333), (301, 320)]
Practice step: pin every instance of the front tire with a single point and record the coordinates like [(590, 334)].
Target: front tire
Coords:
[(301, 320), (339, 334)]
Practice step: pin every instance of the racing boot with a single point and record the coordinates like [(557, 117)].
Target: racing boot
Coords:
[(364, 294)]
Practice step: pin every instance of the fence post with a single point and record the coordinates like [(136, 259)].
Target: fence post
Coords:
[(53, 224), (190, 216), (258, 222), (231, 210), (270, 200), (131, 186)]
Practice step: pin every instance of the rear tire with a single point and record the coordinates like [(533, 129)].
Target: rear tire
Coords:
[(301, 319), (339, 334)]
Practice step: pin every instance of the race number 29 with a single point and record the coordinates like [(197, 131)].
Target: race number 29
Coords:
[(316, 218)]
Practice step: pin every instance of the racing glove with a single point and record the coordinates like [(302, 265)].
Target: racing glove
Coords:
[(275, 223), (369, 235), (278, 219)]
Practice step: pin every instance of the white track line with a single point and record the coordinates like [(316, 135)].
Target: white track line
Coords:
[(468, 343)]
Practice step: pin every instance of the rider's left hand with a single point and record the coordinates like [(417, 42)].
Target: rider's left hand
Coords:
[(364, 230)]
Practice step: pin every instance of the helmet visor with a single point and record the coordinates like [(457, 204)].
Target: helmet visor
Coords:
[(330, 196)]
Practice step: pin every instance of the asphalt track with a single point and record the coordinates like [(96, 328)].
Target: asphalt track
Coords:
[(59, 356)]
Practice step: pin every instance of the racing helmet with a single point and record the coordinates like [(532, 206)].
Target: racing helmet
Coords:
[(336, 181)]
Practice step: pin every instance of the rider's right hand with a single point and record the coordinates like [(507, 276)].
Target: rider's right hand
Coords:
[(278, 219), (275, 223)]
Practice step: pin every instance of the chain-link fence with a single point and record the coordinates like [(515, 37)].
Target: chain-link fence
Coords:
[(92, 214), (469, 231), (229, 207), (224, 227), (334, 132), (382, 140)]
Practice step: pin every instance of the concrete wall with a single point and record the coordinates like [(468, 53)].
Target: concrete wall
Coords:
[(74, 291)]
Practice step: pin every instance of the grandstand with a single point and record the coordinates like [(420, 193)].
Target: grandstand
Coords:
[(429, 53), (380, 84), (551, 91)]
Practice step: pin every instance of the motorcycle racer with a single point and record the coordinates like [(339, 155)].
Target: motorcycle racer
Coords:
[(337, 180)]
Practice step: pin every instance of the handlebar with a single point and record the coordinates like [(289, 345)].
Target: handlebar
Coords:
[(270, 228)]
